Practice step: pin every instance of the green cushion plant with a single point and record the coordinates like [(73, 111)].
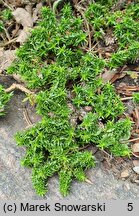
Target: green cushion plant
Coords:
[(66, 80), (4, 99)]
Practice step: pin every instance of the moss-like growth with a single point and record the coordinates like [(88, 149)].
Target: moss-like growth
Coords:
[(1, 26), (136, 98), (67, 79), (4, 99), (6, 14)]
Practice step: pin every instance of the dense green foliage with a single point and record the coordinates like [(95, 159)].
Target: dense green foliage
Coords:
[(136, 98), (5, 15), (1, 26), (67, 79), (4, 99)]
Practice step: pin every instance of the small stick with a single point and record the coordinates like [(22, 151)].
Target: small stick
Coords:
[(20, 87), (126, 98), (7, 34), (16, 30), (18, 78), (106, 153), (131, 140), (128, 94), (5, 4), (9, 42), (27, 118), (132, 88), (84, 147), (129, 88), (137, 116), (55, 5)]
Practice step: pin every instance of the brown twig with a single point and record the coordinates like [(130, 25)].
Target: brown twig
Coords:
[(132, 88), (7, 34), (131, 140), (128, 88), (6, 5), (84, 147), (126, 98), (9, 42), (137, 117), (27, 118), (16, 30), (18, 78), (106, 153), (20, 87)]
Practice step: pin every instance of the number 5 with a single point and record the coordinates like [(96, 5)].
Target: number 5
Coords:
[(130, 207)]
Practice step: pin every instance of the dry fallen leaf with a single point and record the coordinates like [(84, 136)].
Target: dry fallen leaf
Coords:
[(117, 76), (37, 11), (108, 75), (113, 75), (23, 35), (23, 17), (6, 58)]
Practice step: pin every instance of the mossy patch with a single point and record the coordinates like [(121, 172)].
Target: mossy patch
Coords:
[(67, 79)]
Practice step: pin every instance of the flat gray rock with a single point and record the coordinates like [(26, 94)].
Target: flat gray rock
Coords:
[(15, 180)]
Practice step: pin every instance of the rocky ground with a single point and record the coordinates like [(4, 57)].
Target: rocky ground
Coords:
[(15, 181)]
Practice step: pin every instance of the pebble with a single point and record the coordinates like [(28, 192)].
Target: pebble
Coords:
[(135, 147), (136, 169), (125, 174), (88, 108)]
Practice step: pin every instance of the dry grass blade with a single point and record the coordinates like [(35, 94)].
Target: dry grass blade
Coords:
[(6, 5), (131, 140), (137, 117), (88, 181), (9, 42), (126, 98)]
